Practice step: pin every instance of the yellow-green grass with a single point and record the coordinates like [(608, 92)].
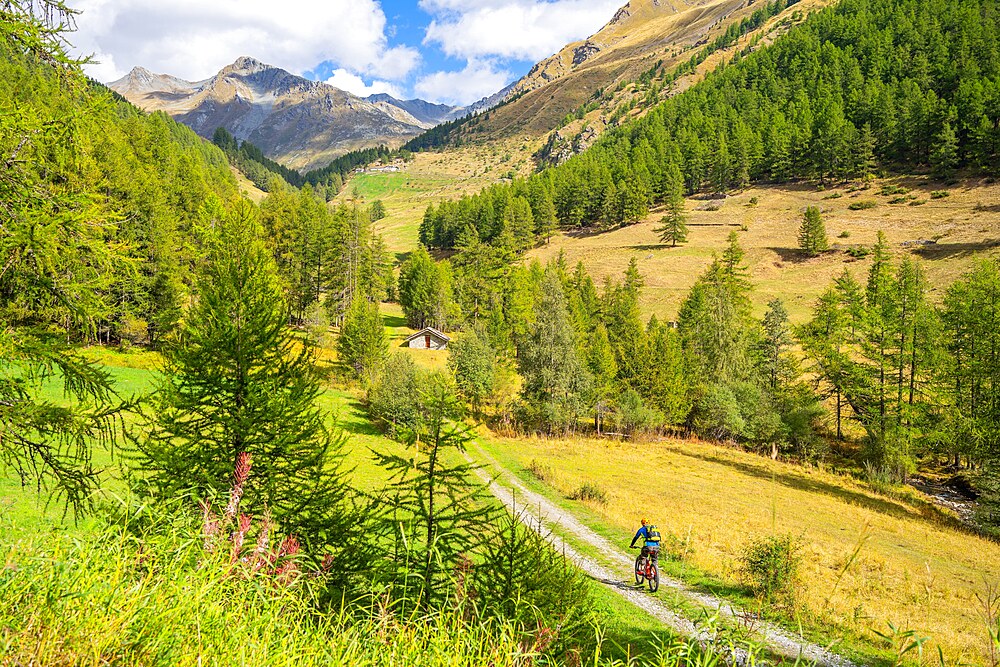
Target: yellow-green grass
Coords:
[(965, 224), (25, 509), (433, 177), (915, 568)]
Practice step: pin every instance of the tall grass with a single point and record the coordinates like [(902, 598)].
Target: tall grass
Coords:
[(144, 591)]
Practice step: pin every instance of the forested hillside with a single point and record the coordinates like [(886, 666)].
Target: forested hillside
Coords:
[(104, 203), (857, 88)]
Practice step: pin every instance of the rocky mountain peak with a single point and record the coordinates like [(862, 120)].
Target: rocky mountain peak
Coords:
[(246, 65)]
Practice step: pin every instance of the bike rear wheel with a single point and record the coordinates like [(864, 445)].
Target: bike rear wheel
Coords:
[(639, 569), (654, 577)]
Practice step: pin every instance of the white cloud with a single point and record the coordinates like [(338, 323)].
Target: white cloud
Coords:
[(353, 83), (521, 29), (479, 79), (193, 39)]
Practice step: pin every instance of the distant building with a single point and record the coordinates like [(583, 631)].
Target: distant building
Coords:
[(427, 339)]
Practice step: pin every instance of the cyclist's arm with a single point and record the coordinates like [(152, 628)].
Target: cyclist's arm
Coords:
[(639, 533)]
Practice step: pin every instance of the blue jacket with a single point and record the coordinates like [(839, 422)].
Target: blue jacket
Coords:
[(644, 533)]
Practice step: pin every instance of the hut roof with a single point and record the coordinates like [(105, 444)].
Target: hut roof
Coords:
[(429, 330)]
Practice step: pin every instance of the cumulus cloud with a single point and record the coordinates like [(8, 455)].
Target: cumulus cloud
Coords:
[(479, 79), (353, 83), (519, 29), (193, 39)]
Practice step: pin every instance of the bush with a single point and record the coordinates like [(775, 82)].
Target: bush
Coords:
[(633, 416), (590, 492), (541, 472), (524, 581), (394, 396), (770, 567), (940, 194), (862, 205), (859, 252), (888, 190), (899, 200), (918, 202), (833, 195), (735, 411), (844, 235)]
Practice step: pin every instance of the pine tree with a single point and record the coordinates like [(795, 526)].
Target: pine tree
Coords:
[(437, 507), (425, 291), (377, 210), (864, 154), (239, 381), (363, 345), (472, 360), (812, 233), (944, 154), (556, 381), (673, 224), (604, 369), (58, 255)]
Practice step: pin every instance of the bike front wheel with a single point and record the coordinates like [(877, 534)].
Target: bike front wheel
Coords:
[(639, 569), (654, 578)]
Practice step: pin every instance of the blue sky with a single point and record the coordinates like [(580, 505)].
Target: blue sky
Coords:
[(451, 51)]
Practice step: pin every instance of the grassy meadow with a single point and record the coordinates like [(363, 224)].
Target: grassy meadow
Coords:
[(868, 559), (40, 542), (945, 234), (433, 177)]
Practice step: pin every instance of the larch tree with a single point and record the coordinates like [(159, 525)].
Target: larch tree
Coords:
[(812, 233), (239, 380)]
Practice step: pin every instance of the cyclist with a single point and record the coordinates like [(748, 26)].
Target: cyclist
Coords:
[(651, 536)]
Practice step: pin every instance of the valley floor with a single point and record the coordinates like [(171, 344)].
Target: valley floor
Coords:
[(868, 559)]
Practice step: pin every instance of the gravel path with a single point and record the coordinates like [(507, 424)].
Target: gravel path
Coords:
[(545, 516)]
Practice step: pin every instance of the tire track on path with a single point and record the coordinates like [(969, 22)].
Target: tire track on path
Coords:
[(546, 515)]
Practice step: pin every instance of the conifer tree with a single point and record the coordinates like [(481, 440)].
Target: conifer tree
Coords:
[(556, 381), (472, 360), (812, 233), (425, 291), (437, 508), (363, 344), (673, 224), (239, 381), (57, 261), (944, 154), (604, 369)]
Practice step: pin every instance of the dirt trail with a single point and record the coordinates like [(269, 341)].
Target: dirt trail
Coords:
[(546, 515)]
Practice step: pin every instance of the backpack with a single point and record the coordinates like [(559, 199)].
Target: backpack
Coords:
[(652, 534)]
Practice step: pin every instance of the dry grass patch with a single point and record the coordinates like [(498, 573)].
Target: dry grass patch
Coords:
[(866, 559), (946, 235)]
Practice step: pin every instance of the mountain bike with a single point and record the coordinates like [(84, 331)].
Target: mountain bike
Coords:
[(646, 570)]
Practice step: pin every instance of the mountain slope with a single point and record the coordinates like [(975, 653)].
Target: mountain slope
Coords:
[(303, 124), (623, 66)]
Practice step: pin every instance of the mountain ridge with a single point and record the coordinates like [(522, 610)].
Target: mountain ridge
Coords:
[(301, 123)]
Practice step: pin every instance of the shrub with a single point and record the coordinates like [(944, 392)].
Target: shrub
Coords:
[(918, 202), (540, 471), (523, 580), (754, 200), (858, 252), (899, 200), (770, 567), (940, 194), (862, 205), (633, 416), (590, 492), (888, 190), (833, 195), (394, 396), (844, 234)]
